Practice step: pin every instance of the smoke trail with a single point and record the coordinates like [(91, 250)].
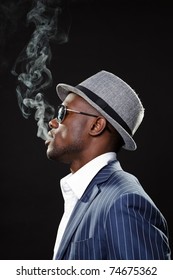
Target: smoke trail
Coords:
[(34, 60)]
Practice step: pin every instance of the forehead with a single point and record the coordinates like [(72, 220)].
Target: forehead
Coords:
[(74, 99), (70, 98)]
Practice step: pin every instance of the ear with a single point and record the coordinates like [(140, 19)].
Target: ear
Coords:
[(98, 126)]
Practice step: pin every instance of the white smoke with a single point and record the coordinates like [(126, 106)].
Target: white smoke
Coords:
[(35, 75), (43, 112)]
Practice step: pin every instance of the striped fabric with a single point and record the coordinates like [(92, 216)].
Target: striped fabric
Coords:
[(115, 219)]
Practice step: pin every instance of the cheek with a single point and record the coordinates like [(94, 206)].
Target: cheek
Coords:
[(65, 134), (71, 133), (61, 135)]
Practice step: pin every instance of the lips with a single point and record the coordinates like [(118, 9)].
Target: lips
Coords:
[(50, 137), (47, 142)]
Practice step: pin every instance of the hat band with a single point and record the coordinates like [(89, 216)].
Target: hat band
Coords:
[(103, 105)]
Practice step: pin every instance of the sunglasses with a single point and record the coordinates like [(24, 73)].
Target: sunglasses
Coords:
[(62, 111)]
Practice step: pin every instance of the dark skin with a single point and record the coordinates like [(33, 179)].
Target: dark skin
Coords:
[(79, 138)]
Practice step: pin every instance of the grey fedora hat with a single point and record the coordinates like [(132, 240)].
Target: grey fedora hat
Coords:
[(112, 98)]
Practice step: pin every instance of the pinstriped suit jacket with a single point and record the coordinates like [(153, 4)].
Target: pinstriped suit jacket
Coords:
[(115, 219)]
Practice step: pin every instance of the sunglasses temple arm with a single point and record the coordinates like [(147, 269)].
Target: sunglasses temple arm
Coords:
[(82, 113)]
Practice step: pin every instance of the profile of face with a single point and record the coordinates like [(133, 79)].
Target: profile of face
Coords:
[(70, 138)]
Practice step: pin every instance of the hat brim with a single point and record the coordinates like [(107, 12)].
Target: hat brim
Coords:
[(64, 89)]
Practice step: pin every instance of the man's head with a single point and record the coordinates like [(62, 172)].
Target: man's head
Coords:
[(99, 115), (114, 99)]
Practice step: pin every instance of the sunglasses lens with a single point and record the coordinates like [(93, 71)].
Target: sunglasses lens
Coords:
[(61, 113)]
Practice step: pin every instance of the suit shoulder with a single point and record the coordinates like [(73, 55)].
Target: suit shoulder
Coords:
[(120, 182)]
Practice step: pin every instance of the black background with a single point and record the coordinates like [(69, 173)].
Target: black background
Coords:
[(132, 39)]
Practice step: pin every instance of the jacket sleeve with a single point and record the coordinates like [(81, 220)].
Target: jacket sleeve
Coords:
[(135, 229)]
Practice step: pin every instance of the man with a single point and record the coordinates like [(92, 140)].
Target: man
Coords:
[(108, 215)]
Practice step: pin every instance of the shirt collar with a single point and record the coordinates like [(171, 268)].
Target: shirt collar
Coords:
[(78, 181)]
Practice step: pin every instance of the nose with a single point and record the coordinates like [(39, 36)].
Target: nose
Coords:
[(53, 123)]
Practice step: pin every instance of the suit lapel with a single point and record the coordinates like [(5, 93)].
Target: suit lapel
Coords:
[(82, 206), (77, 215)]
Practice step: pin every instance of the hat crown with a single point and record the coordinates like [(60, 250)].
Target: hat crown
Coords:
[(118, 95)]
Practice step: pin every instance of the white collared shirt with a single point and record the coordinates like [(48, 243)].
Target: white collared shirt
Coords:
[(73, 187)]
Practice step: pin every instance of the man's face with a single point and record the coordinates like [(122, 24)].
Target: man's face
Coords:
[(70, 138)]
